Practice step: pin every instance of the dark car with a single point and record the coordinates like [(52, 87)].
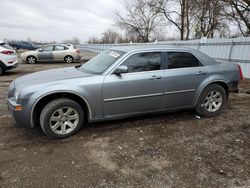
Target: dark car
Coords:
[(16, 45)]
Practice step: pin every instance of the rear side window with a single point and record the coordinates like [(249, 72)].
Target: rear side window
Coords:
[(59, 48), (182, 60), (144, 62)]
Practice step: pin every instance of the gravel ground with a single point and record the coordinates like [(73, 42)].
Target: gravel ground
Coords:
[(166, 150)]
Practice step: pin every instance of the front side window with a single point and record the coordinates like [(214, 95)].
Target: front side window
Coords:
[(148, 61), (182, 60), (47, 48), (59, 48)]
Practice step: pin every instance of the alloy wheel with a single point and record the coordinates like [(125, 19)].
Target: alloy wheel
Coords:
[(213, 101), (64, 120), (31, 60)]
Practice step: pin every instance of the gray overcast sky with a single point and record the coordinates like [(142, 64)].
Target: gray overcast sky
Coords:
[(50, 20)]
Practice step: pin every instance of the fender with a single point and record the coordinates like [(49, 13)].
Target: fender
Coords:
[(56, 92), (205, 83)]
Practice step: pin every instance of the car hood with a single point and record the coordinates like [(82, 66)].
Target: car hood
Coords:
[(50, 76)]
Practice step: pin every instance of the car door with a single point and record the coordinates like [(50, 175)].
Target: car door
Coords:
[(183, 75), (59, 52), (138, 90), (46, 53)]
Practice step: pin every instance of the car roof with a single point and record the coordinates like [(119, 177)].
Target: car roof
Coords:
[(59, 44), (134, 48), (148, 47)]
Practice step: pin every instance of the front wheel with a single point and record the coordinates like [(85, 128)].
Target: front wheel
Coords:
[(61, 118), (211, 101)]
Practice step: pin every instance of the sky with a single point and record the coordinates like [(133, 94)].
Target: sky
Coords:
[(56, 20)]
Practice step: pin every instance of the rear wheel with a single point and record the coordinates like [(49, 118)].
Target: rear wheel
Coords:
[(212, 100), (61, 118), (68, 59), (31, 60)]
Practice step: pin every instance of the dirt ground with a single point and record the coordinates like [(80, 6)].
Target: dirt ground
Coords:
[(166, 150)]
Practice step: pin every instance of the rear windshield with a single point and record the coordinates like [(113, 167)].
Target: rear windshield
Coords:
[(5, 45)]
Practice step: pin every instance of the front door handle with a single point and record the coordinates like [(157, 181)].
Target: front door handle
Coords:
[(155, 77), (201, 73)]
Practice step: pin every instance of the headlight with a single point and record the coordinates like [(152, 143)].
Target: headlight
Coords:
[(16, 96)]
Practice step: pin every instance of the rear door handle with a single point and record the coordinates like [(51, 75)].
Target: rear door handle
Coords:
[(154, 77), (201, 73)]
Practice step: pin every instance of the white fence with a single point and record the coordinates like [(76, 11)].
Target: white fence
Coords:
[(236, 50)]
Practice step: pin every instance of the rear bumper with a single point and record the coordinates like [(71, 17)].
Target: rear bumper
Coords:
[(15, 65), (78, 58), (233, 86), (9, 66)]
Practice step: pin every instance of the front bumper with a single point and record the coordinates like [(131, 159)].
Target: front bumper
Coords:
[(22, 117)]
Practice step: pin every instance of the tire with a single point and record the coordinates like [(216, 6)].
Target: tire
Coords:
[(31, 60), (1, 71), (211, 101), (68, 59), (55, 121)]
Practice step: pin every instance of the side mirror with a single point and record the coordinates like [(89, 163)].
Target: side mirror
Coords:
[(121, 69), (40, 50)]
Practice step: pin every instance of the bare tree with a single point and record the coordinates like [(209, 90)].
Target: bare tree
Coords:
[(208, 18), (74, 41), (139, 21), (111, 36), (238, 11), (93, 40), (177, 12)]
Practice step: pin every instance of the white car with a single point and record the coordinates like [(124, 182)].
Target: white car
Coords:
[(8, 57)]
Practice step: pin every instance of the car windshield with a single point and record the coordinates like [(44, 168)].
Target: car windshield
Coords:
[(101, 62)]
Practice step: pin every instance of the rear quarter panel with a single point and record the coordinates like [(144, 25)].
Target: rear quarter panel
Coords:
[(221, 72)]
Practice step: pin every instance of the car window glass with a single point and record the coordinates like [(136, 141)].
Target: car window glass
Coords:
[(148, 61), (59, 48), (5, 45), (101, 62), (182, 60), (48, 48)]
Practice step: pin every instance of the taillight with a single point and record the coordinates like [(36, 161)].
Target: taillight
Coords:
[(240, 72), (7, 52), (78, 50)]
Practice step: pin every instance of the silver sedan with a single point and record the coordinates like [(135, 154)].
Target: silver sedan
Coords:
[(52, 52), (120, 83)]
